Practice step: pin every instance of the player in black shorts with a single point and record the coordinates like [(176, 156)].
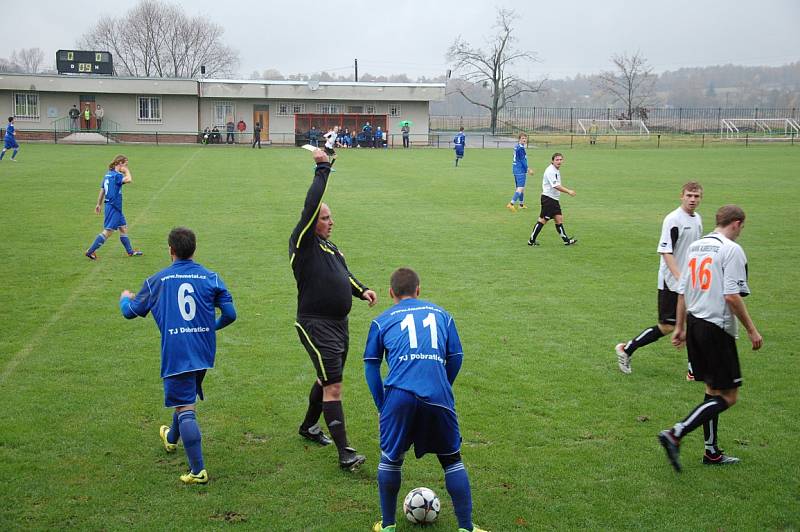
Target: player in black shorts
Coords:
[(551, 208), (330, 144), (325, 288)]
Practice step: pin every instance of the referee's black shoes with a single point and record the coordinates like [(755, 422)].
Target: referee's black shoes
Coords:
[(315, 434), (350, 460)]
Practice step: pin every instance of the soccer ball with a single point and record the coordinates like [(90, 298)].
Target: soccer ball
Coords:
[(421, 506)]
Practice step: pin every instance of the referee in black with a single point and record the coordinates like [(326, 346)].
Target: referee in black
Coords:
[(325, 288)]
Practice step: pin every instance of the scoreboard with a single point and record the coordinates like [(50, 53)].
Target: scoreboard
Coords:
[(83, 62)]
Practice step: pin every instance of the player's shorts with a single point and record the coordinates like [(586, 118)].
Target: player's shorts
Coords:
[(550, 208), (712, 354), (459, 151), (113, 218), (10, 142), (330, 151), (406, 420), (183, 389), (519, 179), (327, 342), (667, 306)]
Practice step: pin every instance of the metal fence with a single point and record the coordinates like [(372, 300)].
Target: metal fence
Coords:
[(565, 119)]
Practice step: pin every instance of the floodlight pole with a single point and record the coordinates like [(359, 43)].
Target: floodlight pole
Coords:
[(356, 67)]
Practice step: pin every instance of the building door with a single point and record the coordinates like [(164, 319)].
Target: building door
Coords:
[(261, 116), (85, 100)]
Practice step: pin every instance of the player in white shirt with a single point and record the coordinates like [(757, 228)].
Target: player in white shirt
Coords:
[(330, 143), (551, 208), (712, 285), (680, 228)]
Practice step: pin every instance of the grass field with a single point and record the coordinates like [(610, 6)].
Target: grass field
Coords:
[(555, 437)]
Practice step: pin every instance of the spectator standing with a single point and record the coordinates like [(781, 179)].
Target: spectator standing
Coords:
[(87, 116), (406, 131), (99, 113), (74, 115), (257, 135), (241, 127), (230, 127)]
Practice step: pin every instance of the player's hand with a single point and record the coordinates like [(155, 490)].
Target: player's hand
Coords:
[(320, 156), (530, 171), (97, 209), (571, 193), (679, 337), (126, 293), (755, 339), (370, 296)]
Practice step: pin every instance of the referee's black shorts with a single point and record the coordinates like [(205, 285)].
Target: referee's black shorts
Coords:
[(550, 208), (327, 342), (712, 354), (667, 306)]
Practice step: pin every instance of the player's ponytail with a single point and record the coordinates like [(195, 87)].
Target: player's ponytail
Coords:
[(119, 159)]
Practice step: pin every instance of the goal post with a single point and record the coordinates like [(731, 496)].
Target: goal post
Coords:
[(768, 128), (594, 126)]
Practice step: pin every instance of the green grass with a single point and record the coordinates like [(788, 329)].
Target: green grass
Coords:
[(555, 437)]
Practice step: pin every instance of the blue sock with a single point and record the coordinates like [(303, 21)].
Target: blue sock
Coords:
[(388, 486), (457, 483), (99, 241), (522, 197), (190, 432), (2, 153), (13, 155), (126, 241), (515, 196), (174, 433)]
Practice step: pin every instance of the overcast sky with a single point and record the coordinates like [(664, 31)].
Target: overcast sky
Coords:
[(412, 36)]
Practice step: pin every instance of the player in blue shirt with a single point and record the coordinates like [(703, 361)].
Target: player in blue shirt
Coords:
[(10, 140), (423, 351), (111, 193), (459, 142), (519, 168), (182, 299)]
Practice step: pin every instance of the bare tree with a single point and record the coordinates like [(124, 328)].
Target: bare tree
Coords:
[(491, 68), (157, 39), (632, 82), (29, 60)]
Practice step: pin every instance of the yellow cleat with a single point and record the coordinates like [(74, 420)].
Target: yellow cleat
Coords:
[(511, 207), (191, 478), (378, 527), (474, 529), (522, 206), (170, 447)]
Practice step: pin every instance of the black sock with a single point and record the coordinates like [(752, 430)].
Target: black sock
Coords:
[(333, 160), (647, 336), (314, 407), (334, 418), (710, 432), (705, 411), (561, 232), (536, 230)]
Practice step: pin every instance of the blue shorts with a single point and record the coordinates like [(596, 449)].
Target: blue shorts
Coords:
[(183, 389), (520, 179), (406, 420), (113, 218), (10, 142), (459, 151)]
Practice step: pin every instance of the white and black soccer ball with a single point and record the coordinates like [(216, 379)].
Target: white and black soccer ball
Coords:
[(421, 506)]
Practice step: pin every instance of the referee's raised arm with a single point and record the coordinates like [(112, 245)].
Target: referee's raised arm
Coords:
[(316, 191)]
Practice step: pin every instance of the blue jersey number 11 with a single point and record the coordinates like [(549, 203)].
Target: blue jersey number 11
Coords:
[(429, 321)]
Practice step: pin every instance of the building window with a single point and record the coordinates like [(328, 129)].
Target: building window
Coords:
[(283, 109), (394, 109), (150, 109), (328, 108), (223, 113), (26, 105), (298, 108), (369, 109), (357, 109)]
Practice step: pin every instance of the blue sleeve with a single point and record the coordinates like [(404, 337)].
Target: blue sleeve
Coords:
[(118, 179), (372, 371), (227, 317), (374, 349), (139, 306), (455, 353)]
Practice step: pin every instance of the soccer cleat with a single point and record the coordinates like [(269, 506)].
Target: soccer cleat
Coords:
[(571, 241), (378, 527), (511, 207), (13, 160), (315, 434), (170, 447), (474, 529), (522, 206), (623, 359), (533, 243), (91, 256), (135, 253), (719, 459), (350, 460), (690, 376), (670, 445), (199, 478)]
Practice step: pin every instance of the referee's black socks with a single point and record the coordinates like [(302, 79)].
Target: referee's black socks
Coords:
[(334, 418), (314, 407)]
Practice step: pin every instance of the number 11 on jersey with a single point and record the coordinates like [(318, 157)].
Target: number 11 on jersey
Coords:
[(429, 321)]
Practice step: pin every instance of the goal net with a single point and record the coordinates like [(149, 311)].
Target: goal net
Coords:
[(767, 128), (589, 126)]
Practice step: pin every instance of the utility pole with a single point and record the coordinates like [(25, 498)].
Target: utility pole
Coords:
[(356, 64)]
